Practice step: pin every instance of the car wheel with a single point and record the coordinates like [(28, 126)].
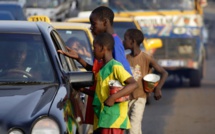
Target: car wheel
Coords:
[(195, 78)]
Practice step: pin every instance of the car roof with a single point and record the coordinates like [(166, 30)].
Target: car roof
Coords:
[(86, 19), (63, 25), (22, 27)]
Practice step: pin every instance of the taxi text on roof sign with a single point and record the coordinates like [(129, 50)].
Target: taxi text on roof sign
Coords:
[(39, 18)]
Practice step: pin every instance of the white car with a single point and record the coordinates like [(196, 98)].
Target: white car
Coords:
[(56, 10)]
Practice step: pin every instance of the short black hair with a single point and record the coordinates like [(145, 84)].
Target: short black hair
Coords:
[(135, 34), (71, 40), (104, 13), (105, 39)]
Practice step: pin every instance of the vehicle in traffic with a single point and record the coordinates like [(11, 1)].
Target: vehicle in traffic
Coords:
[(21, 2), (76, 36), (179, 24), (36, 82), (5, 15), (56, 10), (14, 8), (121, 24)]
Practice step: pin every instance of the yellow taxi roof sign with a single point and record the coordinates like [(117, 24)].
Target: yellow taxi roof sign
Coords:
[(39, 18)]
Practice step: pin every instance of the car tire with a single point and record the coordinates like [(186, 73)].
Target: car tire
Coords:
[(195, 78)]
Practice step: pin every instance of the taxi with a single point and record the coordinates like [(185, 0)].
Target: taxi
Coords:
[(120, 25), (77, 36), (37, 83)]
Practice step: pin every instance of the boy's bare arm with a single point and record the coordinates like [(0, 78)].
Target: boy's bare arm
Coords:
[(73, 54), (131, 85), (164, 75)]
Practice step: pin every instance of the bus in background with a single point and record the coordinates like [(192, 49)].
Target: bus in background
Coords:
[(56, 10), (179, 24)]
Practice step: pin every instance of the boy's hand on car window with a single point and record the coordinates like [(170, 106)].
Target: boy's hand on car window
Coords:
[(71, 53), (109, 101), (157, 93)]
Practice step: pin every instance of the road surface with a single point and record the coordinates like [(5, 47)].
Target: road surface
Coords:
[(184, 110)]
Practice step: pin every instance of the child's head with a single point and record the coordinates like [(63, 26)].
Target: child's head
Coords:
[(101, 19), (103, 44), (132, 37), (73, 42)]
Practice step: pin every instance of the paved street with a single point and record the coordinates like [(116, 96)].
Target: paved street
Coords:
[(184, 110)]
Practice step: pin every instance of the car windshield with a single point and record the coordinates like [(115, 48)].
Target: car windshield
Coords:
[(139, 5), (78, 41), (146, 5), (120, 29), (42, 3), (23, 58)]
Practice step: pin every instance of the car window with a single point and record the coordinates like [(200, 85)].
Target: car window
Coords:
[(121, 27), (79, 41), (23, 57), (66, 63)]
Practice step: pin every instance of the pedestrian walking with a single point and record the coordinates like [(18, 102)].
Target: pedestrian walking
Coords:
[(141, 64)]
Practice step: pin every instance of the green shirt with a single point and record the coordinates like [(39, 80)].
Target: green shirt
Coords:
[(115, 116)]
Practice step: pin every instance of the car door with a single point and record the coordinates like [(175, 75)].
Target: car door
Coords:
[(68, 65)]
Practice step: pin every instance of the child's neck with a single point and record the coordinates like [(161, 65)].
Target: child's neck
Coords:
[(107, 58), (135, 51), (110, 30)]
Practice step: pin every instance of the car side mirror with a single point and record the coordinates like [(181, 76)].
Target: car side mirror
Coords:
[(152, 43), (81, 79)]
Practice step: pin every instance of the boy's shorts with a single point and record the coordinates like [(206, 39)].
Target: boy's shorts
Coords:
[(109, 131)]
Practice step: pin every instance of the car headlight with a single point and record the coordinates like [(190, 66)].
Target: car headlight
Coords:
[(15, 131), (46, 126)]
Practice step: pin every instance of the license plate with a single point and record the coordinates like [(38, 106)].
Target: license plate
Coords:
[(171, 63)]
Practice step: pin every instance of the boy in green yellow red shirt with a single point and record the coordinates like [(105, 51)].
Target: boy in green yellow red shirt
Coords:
[(110, 117)]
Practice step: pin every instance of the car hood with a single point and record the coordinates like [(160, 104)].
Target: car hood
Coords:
[(25, 103)]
